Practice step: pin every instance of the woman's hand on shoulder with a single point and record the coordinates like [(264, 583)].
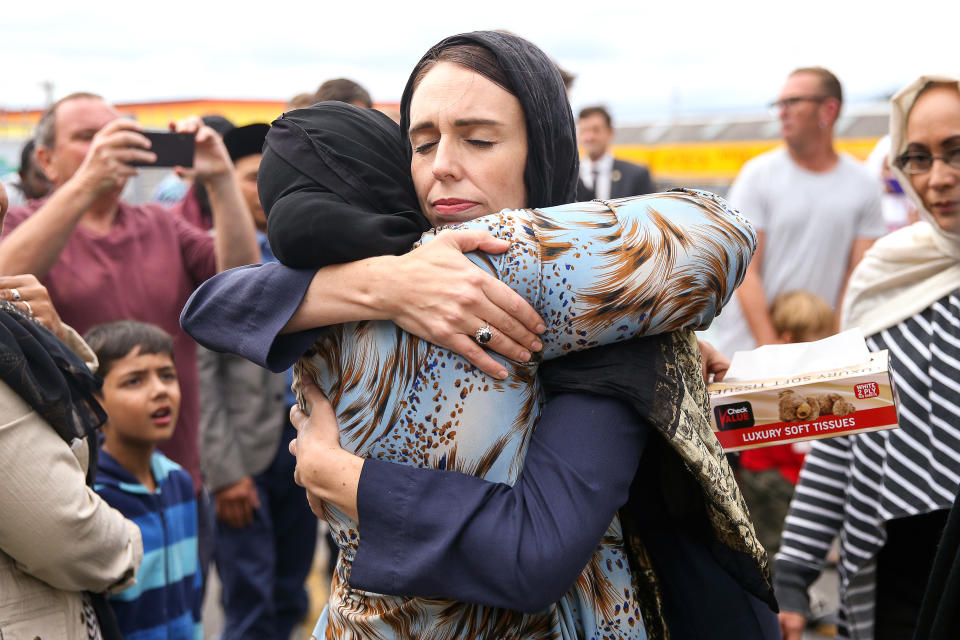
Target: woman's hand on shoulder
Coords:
[(438, 294)]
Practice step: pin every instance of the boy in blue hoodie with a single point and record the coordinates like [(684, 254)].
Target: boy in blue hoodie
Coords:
[(141, 396)]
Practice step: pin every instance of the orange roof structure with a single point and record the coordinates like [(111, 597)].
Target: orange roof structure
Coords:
[(158, 115)]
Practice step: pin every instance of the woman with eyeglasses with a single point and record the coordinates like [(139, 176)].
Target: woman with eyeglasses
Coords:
[(887, 493)]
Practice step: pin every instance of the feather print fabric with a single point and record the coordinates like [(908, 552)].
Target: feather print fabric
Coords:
[(597, 273)]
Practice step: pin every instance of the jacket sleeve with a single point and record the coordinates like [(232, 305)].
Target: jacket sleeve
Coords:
[(54, 526), (813, 521), (600, 273), (196, 248), (431, 533), (303, 224), (243, 310), (640, 181), (220, 455), (646, 181)]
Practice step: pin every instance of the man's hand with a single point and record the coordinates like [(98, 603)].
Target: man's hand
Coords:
[(26, 292), (107, 164), (792, 625), (235, 242), (236, 503), (211, 159), (715, 364), (436, 293)]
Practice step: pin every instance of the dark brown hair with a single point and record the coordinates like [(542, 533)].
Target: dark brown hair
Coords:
[(586, 112), (343, 90), (470, 56), (829, 83), (301, 101), (27, 158), (112, 341)]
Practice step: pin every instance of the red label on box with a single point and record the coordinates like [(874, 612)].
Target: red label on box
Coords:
[(867, 390), (826, 426)]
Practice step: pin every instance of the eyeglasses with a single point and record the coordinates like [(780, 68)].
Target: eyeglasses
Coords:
[(917, 162), (789, 103)]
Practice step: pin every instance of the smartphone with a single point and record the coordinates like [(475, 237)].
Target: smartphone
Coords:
[(172, 149)]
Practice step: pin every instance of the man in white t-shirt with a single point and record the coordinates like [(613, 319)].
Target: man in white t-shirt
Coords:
[(816, 212)]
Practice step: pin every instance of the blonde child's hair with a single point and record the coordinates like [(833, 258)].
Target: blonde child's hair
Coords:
[(801, 316)]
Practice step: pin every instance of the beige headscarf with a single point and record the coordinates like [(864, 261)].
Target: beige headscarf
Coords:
[(907, 271)]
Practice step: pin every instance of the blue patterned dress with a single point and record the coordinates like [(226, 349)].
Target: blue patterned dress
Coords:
[(597, 273)]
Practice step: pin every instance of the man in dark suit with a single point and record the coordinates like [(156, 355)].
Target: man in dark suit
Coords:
[(600, 173)]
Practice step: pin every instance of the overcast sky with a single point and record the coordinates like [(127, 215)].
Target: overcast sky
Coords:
[(644, 59)]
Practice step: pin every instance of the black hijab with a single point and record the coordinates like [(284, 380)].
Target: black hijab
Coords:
[(553, 165), (335, 184)]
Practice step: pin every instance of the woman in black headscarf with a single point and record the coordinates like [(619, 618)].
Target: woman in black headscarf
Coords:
[(337, 184), (550, 149)]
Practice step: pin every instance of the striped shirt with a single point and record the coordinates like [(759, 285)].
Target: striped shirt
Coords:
[(853, 485), (166, 599)]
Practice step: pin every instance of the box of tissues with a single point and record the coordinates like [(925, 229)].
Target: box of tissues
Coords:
[(784, 393)]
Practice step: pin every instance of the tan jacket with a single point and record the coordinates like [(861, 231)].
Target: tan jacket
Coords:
[(57, 537)]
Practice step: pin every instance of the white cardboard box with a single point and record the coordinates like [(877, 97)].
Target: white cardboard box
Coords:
[(762, 413)]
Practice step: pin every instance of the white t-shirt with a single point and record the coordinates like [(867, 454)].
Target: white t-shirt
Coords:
[(809, 221)]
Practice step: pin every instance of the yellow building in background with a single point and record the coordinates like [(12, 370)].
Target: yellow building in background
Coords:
[(705, 151), (714, 161)]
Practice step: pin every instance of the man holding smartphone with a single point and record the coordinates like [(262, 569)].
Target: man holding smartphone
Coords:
[(102, 259)]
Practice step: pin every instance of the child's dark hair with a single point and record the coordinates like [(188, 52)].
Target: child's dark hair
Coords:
[(114, 340)]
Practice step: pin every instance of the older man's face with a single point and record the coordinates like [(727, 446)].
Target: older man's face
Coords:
[(77, 122)]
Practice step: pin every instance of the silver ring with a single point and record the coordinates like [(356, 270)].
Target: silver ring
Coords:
[(16, 294), (483, 335), (29, 308)]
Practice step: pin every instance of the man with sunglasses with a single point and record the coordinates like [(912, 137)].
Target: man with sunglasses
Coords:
[(816, 211)]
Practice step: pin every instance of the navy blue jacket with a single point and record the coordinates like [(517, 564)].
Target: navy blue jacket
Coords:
[(477, 531)]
